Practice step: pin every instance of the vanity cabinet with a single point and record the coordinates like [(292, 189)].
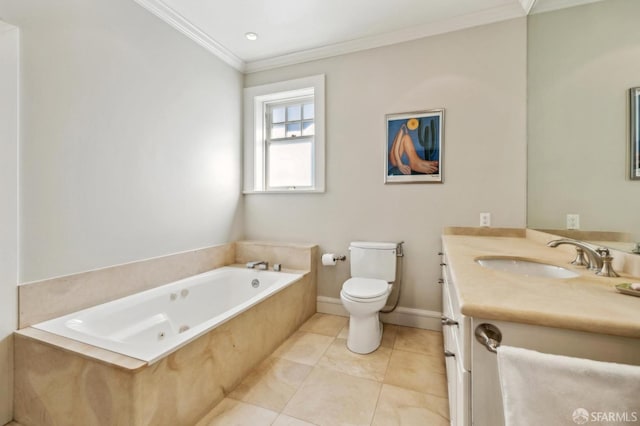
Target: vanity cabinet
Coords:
[(472, 371), (455, 328), (486, 397)]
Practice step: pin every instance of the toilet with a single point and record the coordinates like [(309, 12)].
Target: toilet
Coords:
[(373, 271)]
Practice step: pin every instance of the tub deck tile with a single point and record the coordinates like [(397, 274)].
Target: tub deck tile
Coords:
[(92, 352)]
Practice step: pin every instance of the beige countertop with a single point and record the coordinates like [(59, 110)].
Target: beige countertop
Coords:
[(586, 303)]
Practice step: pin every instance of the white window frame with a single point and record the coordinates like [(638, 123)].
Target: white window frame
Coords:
[(255, 100)]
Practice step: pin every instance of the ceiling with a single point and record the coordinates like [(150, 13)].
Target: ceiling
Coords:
[(293, 31)]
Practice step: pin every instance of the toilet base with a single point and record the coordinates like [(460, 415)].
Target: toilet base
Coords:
[(365, 334)]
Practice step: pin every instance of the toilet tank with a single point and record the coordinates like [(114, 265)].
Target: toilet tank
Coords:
[(373, 260)]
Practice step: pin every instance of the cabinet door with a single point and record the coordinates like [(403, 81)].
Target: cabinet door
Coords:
[(486, 392), (485, 387), (458, 382), (458, 378), (451, 310), (463, 396), (452, 380)]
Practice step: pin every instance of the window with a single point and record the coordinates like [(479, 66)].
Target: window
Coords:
[(289, 144), (284, 137)]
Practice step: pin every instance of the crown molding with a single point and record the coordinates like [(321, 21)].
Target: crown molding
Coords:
[(488, 16), (549, 5), (502, 13), (177, 21), (527, 5), (6, 27)]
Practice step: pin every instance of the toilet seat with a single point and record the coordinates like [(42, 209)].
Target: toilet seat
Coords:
[(345, 296), (365, 289)]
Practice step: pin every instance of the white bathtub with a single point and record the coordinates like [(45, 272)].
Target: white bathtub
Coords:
[(156, 322)]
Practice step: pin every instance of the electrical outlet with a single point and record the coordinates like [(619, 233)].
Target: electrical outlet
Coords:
[(485, 219), (573, 221)]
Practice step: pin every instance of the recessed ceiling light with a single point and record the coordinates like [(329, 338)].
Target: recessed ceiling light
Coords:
[(251, 36)]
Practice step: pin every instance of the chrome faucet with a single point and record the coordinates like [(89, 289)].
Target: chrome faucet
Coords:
[(260, 264), (595, 261)]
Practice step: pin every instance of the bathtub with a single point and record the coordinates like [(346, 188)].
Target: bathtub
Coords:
[(152, 324), (161, 357)]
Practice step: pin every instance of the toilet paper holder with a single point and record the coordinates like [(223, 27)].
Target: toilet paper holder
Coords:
[(331, 259)]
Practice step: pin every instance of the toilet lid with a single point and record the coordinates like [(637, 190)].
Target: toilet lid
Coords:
[(365, 288)]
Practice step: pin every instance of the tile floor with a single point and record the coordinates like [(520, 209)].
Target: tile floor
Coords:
[(313, 379)]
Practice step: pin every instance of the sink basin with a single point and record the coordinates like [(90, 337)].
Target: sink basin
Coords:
[(530, 268)]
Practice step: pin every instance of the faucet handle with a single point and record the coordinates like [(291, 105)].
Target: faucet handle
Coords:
[(607, 269), (581, 258)]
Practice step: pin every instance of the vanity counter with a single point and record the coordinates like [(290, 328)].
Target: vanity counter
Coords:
[(586, 303)]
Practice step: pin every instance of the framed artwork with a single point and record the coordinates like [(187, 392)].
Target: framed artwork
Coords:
[(413, 151), (634, 140)]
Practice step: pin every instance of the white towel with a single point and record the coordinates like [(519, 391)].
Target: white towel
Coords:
[(542, 389)]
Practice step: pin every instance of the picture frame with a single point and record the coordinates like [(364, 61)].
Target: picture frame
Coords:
[(413, 148), (634, 137)]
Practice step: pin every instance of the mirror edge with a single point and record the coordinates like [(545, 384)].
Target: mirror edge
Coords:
[(634, 136)]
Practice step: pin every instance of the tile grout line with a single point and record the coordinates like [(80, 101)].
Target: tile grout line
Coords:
[(301, 385), (375, 408), (316, 365)]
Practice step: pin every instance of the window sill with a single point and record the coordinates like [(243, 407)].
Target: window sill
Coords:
[(293, 191)]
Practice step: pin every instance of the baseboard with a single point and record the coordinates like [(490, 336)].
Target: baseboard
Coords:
[(408, 317), (331, 305)]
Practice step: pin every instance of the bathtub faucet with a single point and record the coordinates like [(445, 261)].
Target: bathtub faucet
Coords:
[(260, 264)]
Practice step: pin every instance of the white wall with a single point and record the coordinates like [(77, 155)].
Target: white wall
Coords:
[(478, 76), (8, 212), (131, 135), (582, 63)]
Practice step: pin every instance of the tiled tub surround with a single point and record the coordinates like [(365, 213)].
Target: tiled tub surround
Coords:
[(54, 297), (61, 381)]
